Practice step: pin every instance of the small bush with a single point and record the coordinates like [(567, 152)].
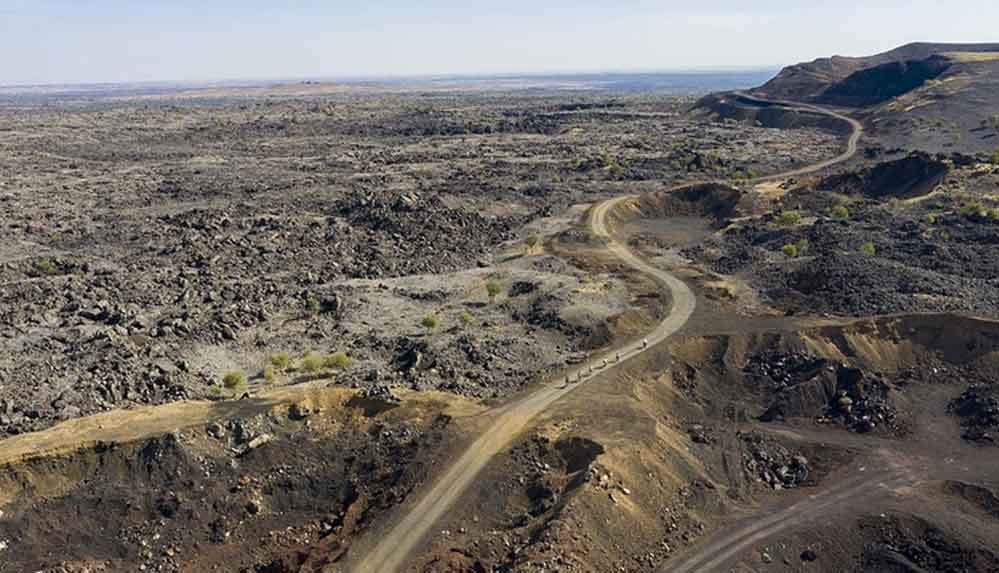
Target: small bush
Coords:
[(839, 212), (337, 360), (280, 360), (430, 321), (493, 288), (312, 304), (44, 268), (312, 362), (531, 243), (974, 209), (788, 218), (270, 373), (995, 156), (868, 249), (790, 250), (233, 380), (931, 218), (466, 318)]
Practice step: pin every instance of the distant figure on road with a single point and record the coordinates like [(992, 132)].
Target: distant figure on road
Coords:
[(645, 343)]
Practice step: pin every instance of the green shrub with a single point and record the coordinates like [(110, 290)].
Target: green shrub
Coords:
[(531, 243), (974, 209), (280, 360), (790, 250), (839, 212), (337, 360), (788, 218), (44, 267), (234, 380), (802, 245), (995, 156), (270, 373), (931, 218), (466, 318), (312, 304), (312, 362), (430, 321), (493, 288), (868, 249)]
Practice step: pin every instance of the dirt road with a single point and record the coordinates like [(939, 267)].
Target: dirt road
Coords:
[(395, 548), (860, 488)]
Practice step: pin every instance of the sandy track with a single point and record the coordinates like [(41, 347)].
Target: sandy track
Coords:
[(847, 495), (393, 550)]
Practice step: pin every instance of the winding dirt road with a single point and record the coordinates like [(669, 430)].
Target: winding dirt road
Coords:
[(396, 547)]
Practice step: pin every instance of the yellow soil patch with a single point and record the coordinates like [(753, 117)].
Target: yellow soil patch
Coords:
[(971, 56), (124, 426)]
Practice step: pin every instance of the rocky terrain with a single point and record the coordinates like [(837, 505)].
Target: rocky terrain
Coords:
[(152, 247), (938, 98), (248, 333)]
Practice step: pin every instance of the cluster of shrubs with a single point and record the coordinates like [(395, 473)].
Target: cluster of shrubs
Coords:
[(281, 363), (978, 212)]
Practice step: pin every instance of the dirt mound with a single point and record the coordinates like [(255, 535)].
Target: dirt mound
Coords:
[(912, 176), (980, 496), (827, 391), (856, 375), (901, 543), (978, 408), (233, 494)]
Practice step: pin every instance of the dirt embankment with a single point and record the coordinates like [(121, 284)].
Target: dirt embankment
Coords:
[(735, 107), (236, 492), (912, 176), (857, 375)]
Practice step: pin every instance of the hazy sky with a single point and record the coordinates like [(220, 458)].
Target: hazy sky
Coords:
[(52, 41)]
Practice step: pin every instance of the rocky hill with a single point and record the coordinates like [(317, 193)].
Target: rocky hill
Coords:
[(830, 78), (931, 97)]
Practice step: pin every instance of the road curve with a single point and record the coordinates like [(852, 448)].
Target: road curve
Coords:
[(820, 506), (393, 550)]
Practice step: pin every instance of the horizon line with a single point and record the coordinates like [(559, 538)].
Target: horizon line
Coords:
[(396, 77)]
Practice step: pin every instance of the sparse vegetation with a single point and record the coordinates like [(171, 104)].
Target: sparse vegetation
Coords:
[(44, 268), (280, 360), (466, 318), (995, 156), (312, 362), (795, 249), (430, 321), (493, 289), (868, 249), (931, 218), (234, 381), (270, 374), (788, 218), (338, 360), (839, 212), (312, 304), (532, 243)]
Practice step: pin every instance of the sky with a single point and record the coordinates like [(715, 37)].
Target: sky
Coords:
[(89, 41)]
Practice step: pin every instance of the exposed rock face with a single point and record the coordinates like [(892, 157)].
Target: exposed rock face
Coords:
[(810, 81), (913, 176)]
